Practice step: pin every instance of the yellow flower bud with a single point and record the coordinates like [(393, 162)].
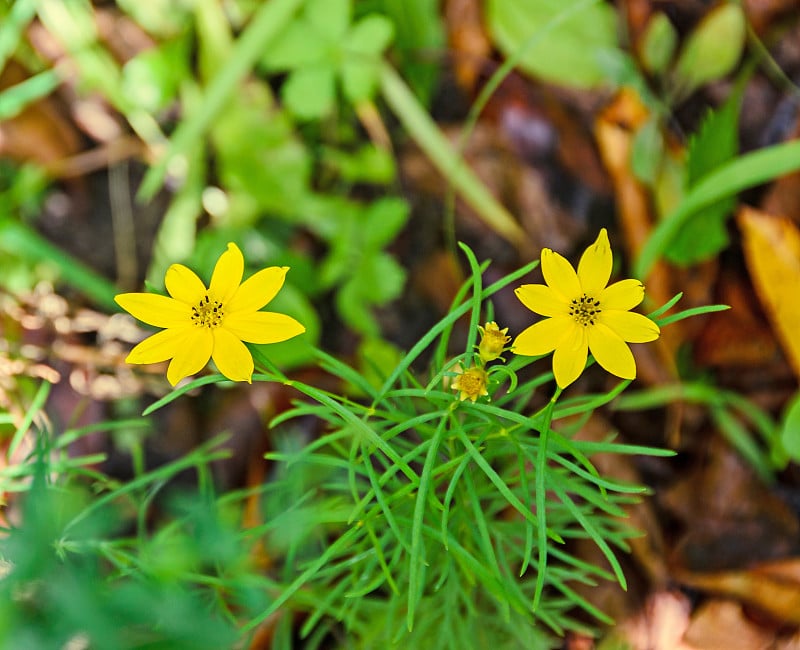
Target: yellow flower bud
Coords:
[(493, 341), (471, 382)]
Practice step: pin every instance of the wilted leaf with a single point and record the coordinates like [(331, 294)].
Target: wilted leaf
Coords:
[(772, 251), (564, 53)]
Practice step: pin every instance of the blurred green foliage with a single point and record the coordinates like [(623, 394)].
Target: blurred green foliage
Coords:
[(79, 565), (393, 527)]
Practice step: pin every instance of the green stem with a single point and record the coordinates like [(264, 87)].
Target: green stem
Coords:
[(541, 501), (430, 139)]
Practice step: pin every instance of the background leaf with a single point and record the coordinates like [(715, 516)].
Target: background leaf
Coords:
[(715, 143), (566, 54), (772, 252), (658, 44), (790, 428), (363, 47), (713, 49)]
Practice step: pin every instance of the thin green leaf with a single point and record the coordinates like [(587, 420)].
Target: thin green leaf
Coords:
[(741, 173)]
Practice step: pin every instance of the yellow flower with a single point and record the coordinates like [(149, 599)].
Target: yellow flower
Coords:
[(471, 383), (493, 341), (203, 323), (584, 315)]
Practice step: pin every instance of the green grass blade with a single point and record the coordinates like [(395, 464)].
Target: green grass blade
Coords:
[(36, 405), (21, 13), (430, 139), (454, 315), (18, 96), (741, 173), (416, 556)]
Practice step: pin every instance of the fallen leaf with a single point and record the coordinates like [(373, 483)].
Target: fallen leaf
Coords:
[(721, 625), (39, 133), (615, 131), (762, 14), (740, 337), (772, 588), (772, 252), (468, 40), (729, 518)]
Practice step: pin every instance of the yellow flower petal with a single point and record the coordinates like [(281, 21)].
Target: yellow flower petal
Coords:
[(543, 337), (158, 347), (192, 353), (156, 310), (622, 295), (232, 357), (183, 284), (257, 290), (611, 352), (541, 299), (629, 326), (559, 275), (569, 359), (262, 326), (227, 274), (594, 269)]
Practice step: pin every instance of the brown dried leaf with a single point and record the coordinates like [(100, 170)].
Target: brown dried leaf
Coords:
[(615, 130), (739, 337), (39, 133), (730, 518), (468, 40), (772, 252), (721, 625), (772, 588), (762, 14)]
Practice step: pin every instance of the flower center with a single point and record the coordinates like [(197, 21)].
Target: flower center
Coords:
[(584, 310), (207, 313), (470, 383)]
